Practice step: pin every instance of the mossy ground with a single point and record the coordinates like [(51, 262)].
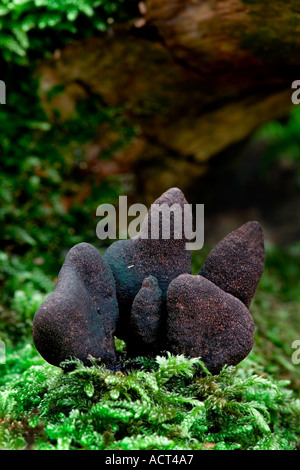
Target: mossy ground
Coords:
[(169, 402)]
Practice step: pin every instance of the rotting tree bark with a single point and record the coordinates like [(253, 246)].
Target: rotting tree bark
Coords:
[(235, 44), (196, 77)]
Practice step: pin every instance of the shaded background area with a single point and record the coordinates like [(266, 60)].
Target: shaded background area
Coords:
[(131, 98)]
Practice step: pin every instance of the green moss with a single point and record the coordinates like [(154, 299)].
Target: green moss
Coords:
[(174, 404)]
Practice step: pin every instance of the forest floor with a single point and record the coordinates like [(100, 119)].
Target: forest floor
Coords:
[(170, 402)]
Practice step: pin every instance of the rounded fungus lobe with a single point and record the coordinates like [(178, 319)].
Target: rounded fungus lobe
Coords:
[(236, 263), (204, 321), (78, 318), (146, 319), (133, 260)]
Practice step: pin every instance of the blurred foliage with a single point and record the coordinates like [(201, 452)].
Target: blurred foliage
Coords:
[(44, 204), (43, 167), (276, 313), (31, 27), (23, 288), (282, 144)]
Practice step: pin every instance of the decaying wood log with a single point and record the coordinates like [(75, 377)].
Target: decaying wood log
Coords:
[(195, 77)]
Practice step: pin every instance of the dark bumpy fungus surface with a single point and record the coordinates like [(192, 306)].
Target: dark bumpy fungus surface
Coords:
[(236, 263), (143, 292), (133, 260), (146, 319), (78, 319), (204, 321)]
